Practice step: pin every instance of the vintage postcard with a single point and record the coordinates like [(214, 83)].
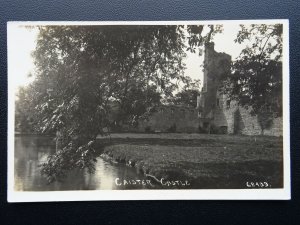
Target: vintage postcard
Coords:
[(148, 110)]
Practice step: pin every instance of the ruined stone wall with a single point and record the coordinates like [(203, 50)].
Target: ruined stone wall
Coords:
[(171, 119), (249, 125), (239, 121), (224, 114), (227, 115), (276, 128), (216, 112)]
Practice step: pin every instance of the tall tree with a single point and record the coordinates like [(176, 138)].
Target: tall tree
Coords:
[(24, 114), (256, 79), (199, 35), (82, 69), (188, 95)]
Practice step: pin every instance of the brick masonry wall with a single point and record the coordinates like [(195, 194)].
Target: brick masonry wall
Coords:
[(239, 121), (184, 118), (250, 126), (224, 116)]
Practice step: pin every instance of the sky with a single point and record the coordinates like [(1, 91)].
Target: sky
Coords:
[(22, 42), (224, 42)]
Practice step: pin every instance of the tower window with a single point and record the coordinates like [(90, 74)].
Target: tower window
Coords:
[(218, 102), (228, 104)]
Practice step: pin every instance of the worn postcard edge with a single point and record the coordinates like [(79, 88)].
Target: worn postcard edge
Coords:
[(199, 194)]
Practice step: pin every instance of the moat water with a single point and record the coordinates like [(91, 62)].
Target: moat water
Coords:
[(32, 150)]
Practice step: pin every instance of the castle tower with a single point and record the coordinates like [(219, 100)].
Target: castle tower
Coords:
[(217, 113), (216, 66)]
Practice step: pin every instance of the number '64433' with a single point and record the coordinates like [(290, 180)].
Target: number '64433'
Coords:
[(263, 184)]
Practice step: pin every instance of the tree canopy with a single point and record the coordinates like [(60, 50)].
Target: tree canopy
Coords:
[(188, 95), (256, 78), (83, 71)]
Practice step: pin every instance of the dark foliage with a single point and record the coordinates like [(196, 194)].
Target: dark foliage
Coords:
[(256, 79), (88, 77)]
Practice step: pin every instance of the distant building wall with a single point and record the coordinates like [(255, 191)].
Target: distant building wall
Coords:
[(249, 125), (215, 113), (171, 119), (224, 114), (240, 121)]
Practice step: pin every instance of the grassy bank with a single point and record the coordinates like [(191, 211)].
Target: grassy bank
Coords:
[(207, 161)]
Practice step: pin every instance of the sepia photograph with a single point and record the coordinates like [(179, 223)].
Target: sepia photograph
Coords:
[(148, 110)]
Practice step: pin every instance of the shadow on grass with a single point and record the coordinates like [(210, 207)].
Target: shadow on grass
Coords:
[(236, 175)]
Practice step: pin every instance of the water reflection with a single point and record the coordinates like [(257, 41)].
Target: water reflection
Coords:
[(32, 150)]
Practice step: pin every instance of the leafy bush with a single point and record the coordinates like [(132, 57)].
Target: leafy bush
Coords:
[(67, 159)]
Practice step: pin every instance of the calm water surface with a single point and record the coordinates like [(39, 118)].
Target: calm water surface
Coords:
[(32, 150)]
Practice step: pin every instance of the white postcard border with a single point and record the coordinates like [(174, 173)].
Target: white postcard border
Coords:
[(199, 194)]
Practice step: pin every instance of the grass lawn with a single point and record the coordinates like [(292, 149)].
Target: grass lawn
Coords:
[(206, 161)]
